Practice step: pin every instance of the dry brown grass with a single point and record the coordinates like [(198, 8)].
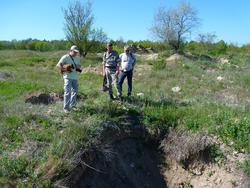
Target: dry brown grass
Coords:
[(182, 146)]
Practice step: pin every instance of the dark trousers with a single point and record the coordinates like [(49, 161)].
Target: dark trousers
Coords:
[(122, 76)]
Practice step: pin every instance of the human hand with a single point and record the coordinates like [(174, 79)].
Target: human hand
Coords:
[(116, 73)]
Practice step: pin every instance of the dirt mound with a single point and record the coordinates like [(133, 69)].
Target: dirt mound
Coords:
[(141, 49), (126, 163), (43, 98), (201, 57), (174, 58), (190, 163), (147, 57), (178, 57)]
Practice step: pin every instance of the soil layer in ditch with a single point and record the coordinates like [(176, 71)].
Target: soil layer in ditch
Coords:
[(126, 163)]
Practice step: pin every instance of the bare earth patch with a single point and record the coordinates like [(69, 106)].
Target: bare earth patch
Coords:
[(148, 57), (174, 58), (28, 148), (188, 163), (212, 176), (43, 98), (227, 97)]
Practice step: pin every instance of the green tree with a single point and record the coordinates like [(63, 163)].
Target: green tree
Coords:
[(206, 42), (219, 48), (79, 26)]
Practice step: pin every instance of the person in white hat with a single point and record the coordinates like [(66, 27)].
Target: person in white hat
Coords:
[(68, 65)]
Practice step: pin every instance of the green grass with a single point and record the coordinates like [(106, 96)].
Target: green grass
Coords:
[(237, 131), (162, 117), (215, 154), (51, 139), (10, 90), (246, 167)]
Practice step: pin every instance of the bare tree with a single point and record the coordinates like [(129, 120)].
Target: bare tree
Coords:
[(79, 26), (173, 25)]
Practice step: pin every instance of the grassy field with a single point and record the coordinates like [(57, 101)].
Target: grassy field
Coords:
[(39, 142)]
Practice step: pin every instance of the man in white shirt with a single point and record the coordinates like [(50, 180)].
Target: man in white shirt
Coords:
[(128, 61), (72, 61)]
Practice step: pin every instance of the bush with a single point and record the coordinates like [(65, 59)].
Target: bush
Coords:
[(159, 64), (14, 168), (239, 132), (215, 153), (161, 117)]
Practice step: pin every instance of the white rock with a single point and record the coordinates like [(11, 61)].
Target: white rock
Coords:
[(219, 78), (224, 61), (235, 153), (140, 94), (176, 89)]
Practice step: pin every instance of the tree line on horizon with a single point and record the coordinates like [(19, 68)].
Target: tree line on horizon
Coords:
[(195, 47), (53, 45)]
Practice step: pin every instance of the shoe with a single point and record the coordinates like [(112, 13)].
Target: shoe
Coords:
[(105, 89), (119, 97), (66, 111), (111, 97), (75, 109)]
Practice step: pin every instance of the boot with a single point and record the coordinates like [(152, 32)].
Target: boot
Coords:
[(111, 97), (119, 96)]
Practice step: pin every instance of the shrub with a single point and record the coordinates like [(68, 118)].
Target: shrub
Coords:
[(14, 168), (237, 131), (159, 64), (161, 117), (215, 153)]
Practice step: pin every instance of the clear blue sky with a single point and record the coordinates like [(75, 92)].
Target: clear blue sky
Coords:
[(129, 19)]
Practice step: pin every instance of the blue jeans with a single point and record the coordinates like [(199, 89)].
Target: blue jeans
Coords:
[(122, 76), (70, 93)]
